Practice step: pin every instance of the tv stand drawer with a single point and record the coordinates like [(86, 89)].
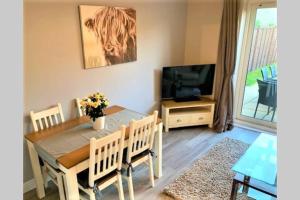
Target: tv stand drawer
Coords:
[(178, 120), (203, 118), (189, 119)]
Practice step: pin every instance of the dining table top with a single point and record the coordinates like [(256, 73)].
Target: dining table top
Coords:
[(74, 157)]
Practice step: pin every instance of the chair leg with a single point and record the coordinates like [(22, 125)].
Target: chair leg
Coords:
[(130, 186), (92, 196), (268, 110), (255, 110), (60, 185), (151, 171), (120, 188), (45, 176)]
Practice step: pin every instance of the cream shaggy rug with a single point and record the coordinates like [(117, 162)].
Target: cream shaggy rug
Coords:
[(210, 178)]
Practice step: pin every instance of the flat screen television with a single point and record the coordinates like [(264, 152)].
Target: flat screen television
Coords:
[(189, 82)]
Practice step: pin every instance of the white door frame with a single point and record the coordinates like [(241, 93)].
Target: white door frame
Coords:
[(246, 33)]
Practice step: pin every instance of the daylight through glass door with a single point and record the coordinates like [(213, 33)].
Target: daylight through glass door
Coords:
[(260, 92)]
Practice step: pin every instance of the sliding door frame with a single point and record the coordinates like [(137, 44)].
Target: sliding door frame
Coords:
[(247, 30)]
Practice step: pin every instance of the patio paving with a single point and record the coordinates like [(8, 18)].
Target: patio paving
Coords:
[(249, 104)]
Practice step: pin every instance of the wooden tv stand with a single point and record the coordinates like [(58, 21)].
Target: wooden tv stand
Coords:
[(188, 113)]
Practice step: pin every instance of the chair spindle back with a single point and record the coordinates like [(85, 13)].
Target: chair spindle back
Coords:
[(106, 155), (141, 135), (47, 118)]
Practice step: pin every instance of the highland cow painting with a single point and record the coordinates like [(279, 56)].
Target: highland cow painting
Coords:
[(108, 35)]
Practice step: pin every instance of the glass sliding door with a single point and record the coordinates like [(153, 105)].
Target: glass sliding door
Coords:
[(257, 102)]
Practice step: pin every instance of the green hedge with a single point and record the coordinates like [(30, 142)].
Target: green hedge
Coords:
[(256, 74), (252, 76)]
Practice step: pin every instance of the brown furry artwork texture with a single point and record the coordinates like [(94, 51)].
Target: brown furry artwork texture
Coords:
[(115, 29)]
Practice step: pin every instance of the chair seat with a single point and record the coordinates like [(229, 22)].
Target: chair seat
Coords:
[(136, 157), (83, 178)]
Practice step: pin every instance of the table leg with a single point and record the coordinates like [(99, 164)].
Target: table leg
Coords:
[(234, 190), (158, 151), (245, 186), (37, 172), (71, 184), (65, 186)]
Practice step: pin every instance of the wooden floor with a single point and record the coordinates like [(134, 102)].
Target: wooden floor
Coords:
[(181, 147)]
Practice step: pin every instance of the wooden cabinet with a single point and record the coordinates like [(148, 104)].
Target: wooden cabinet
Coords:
[(191, 113)]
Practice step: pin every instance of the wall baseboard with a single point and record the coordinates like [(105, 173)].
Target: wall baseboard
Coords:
[(28, 186), (254, 127)]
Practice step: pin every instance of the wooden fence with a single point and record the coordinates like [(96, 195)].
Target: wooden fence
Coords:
[(263, 48)]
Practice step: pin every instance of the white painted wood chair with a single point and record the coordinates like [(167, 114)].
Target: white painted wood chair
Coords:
[(79, 110), (105, 165), (45, 119), (140, 145)]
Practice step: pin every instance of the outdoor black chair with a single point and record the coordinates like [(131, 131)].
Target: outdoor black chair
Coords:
[(273, 71), (265, 73), (267, 95)]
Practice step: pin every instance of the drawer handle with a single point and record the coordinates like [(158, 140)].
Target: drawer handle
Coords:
[(178, 120), (200, 118)]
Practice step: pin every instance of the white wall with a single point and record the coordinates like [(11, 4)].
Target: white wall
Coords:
[(203, 23), (53, 61), (202, 31)]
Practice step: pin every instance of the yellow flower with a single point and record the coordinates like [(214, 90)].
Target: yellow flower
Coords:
[(95, 104), (94, 100)]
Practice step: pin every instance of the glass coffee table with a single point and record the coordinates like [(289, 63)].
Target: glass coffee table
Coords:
[(256, 170)]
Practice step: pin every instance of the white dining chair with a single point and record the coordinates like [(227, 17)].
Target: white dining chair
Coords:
[(140, 145), (105, 164), (78, 106), (45, 119)]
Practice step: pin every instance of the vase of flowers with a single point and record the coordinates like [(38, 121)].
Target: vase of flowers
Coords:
[(93, 106)]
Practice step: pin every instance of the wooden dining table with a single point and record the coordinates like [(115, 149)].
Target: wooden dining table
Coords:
[(71, 162)]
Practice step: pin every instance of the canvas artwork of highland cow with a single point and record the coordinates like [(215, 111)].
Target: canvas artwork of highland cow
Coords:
[(108, 35)]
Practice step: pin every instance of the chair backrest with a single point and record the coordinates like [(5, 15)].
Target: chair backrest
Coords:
[(78, 106), (267, 93), (273, 71), (141, 135), (47, 118), (265, 73), (106, 155)]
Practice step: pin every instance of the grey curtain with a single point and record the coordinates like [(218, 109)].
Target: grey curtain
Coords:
[(223, 118)]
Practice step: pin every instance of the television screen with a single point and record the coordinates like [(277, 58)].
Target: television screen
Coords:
[(187, 82)]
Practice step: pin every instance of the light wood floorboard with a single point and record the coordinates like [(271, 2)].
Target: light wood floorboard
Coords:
[(181, 147)]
